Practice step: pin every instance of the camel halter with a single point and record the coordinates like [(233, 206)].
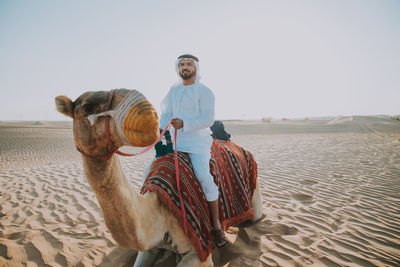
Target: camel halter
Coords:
[(119, 115), (124, 105)]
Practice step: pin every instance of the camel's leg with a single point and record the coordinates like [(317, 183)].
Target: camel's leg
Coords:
[(147, 258), (192, 259), (256, 203)]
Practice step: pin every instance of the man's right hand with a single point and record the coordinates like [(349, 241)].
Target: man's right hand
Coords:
[(177, 123)]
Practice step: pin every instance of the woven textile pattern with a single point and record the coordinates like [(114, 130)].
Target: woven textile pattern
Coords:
[(235, 173)]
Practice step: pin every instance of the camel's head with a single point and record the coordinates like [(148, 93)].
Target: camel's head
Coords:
[(133, 120)]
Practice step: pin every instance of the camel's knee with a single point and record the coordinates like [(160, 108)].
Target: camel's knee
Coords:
[(256, 203)]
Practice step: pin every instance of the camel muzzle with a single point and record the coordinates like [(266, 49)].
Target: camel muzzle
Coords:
[(140, 126), (136, 120)]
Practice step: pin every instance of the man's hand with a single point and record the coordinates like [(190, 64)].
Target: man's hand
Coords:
[(177, 123)]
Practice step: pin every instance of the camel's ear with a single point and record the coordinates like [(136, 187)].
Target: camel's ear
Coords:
[(65, 106)]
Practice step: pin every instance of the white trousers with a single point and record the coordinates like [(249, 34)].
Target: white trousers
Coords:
[(201, 167)]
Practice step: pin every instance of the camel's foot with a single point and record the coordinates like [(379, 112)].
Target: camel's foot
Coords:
[(256, 203), (192, 259)]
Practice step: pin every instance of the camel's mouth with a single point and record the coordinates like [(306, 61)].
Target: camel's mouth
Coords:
[(141, 126)]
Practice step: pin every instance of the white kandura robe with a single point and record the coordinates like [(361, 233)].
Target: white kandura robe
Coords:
[(194, 104)]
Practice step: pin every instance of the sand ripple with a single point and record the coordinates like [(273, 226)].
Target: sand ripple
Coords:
[(338, 193)]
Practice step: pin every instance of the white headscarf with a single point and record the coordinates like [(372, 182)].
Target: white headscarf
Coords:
[(195, 63)]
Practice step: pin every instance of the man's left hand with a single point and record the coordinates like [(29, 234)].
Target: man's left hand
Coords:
[(177, 123)]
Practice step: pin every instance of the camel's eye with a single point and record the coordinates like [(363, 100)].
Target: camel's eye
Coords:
[(88, 107)]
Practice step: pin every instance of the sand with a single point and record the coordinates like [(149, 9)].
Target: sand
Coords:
[(330, 189)]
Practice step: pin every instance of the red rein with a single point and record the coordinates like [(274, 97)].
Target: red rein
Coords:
[(177, 184), (104, 158)]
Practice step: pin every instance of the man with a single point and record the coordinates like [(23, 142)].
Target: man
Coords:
[(189, 105)]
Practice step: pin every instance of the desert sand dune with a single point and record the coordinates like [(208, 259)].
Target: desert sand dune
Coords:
[(331, 197)]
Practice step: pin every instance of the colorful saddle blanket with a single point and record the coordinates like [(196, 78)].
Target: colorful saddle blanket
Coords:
[(235, 173)]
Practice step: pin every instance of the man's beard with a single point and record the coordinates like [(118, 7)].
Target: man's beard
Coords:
[(186, 75)]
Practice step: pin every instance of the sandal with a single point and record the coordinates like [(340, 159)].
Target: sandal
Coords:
[(219, 238)]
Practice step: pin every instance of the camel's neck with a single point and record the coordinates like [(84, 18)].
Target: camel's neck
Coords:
[(119, 203)]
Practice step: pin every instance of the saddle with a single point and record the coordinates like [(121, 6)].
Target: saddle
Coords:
[(235, 173)]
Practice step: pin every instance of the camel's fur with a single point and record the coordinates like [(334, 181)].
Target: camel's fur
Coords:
[(139, 222)]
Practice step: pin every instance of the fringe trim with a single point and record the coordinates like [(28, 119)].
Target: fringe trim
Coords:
[(203, 252), (166, 200), (235, 221)]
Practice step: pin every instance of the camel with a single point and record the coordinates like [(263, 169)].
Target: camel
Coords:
[(129, 216)]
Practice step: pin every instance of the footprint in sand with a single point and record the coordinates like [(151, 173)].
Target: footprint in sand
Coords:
[(304, 198), (276, 229), (308, 240), (308, 182), (14, 236)]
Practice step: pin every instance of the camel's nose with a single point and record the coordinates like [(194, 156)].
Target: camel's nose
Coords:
[(141, 125)]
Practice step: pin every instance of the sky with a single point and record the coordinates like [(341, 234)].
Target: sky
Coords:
[(280, 59)]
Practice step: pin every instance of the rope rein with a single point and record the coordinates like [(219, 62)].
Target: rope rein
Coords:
[(183, 212)]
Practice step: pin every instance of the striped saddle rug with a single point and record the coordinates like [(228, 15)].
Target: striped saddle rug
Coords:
[(235, 173)]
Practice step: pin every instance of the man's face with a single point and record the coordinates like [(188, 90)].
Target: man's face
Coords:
[(187, 69)]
